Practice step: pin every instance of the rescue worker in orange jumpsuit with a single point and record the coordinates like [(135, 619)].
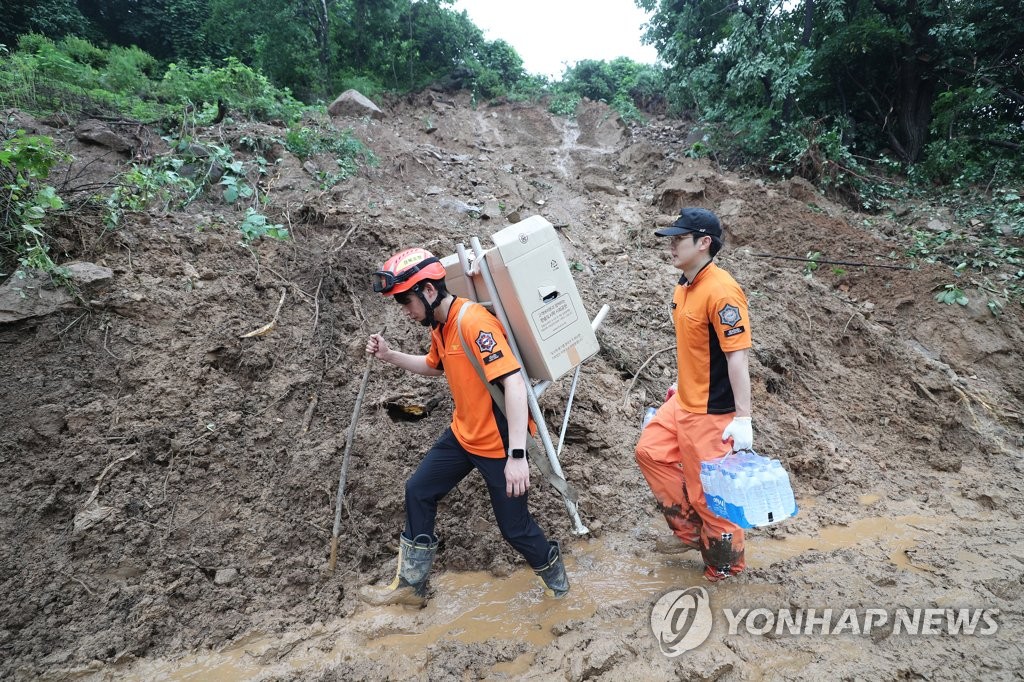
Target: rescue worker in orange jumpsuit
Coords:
[(712, 404), (480, 437)]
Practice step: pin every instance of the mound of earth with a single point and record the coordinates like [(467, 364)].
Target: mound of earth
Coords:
[(171, 483)]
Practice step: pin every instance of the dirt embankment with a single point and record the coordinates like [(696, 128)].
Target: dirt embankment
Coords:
[(899, 418)]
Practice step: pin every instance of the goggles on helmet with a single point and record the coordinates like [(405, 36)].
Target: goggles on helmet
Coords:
[(384, 281)]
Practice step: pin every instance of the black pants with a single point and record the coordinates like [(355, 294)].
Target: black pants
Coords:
[(442, 468)]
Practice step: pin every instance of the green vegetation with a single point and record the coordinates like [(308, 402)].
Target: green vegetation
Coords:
[(81, 80), (826, 90), (256, 225), (25, 200), (627, 86)]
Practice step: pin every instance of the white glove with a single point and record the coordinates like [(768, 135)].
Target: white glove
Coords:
[(741, 430)]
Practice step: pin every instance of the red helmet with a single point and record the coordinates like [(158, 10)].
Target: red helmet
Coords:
[(405, 269)]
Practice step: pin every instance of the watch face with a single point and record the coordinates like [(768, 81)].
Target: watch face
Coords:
[(518, 453)]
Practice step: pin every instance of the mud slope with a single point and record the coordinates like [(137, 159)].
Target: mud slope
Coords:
[(899, 418)]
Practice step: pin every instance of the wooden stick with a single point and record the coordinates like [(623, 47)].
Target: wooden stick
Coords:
[(308, 417), (349, 437), (625, 399)]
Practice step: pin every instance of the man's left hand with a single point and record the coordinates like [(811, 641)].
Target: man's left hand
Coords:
[(517, 476), (741, 430)]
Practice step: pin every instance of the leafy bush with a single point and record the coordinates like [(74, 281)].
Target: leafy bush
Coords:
[(80, 79), (305, 142), (628, 86), (25, 200), (256, 225), (241, 88), (564, 103)]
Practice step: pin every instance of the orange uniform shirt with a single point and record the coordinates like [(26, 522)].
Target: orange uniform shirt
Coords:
[(711, 319), (477, 423)]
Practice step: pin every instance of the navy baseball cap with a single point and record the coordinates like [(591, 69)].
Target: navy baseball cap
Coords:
[(699, 220)]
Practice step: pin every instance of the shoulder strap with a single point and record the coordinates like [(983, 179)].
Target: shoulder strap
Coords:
[(539, 458)]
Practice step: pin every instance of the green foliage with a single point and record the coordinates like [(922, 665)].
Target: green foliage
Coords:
[(812, 263), (53, 18), (169, 29), (927, 83), (978, 243), (628, 86), (564, 103), (26, 200), (238, 85), (142, 186), (498, 69), (80, 79), (951, 294), (348, 149), (256, 225)]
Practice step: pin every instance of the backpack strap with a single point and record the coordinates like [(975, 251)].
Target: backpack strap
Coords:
[(540, 459)]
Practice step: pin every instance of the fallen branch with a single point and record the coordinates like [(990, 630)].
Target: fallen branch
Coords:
[(65, 329), (96, 491), (308, 416), (106, 331), (345, 239), (625, 400), (269, 326), (91, 593)]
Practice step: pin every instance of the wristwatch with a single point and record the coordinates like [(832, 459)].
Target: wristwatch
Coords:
[(518, 453)]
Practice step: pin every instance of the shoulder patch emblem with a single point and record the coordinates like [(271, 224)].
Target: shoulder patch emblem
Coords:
[(729, 315), (485, 342)]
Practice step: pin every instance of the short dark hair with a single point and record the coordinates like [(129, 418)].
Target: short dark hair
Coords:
[(716, 243), (404, 297)]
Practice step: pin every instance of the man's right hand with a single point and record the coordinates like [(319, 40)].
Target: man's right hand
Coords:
[(377, 346)]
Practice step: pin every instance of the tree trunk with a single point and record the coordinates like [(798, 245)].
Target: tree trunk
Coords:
[(915, 77), (917, 92)]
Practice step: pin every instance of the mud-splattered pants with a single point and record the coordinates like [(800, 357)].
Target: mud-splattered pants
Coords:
[(447, 463), (669, 453)]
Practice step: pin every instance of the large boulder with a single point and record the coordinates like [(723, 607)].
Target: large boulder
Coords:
[(35, 294), (97, 132), (353, 103)]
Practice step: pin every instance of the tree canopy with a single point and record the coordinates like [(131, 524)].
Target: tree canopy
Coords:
[(313, 47), (923, 80)]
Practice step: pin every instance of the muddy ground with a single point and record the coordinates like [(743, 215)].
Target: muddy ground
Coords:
[(215, 459)]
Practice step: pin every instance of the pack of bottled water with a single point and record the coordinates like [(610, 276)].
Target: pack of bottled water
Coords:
[(750, 490)]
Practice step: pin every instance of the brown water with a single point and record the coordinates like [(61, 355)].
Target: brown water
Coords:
[(476, 606)]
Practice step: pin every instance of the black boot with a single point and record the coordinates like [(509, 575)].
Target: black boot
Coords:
[(556, 583), (410, 584)]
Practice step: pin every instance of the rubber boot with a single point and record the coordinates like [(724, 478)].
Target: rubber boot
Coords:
[(410, 584), (672, 545), (556, 583)]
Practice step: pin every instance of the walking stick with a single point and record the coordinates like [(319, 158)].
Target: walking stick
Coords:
[(349, 437)]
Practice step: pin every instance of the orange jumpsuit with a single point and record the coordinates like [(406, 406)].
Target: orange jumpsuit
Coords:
[(711, 319)]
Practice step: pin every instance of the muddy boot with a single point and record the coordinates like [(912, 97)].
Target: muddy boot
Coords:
[(556, 583), (672, 545), (410, 583)]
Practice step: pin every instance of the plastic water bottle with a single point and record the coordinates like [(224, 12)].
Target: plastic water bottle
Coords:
[(648, 416), (772, 493), (748, 489), (728, 504), (755, 509), (713, 482), (787, 500), (709, 482)]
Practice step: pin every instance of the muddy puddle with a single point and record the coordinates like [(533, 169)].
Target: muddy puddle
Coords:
[(476, 606)]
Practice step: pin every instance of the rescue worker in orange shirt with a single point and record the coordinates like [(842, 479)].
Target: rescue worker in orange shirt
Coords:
[(712, 404), (480, 437)]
